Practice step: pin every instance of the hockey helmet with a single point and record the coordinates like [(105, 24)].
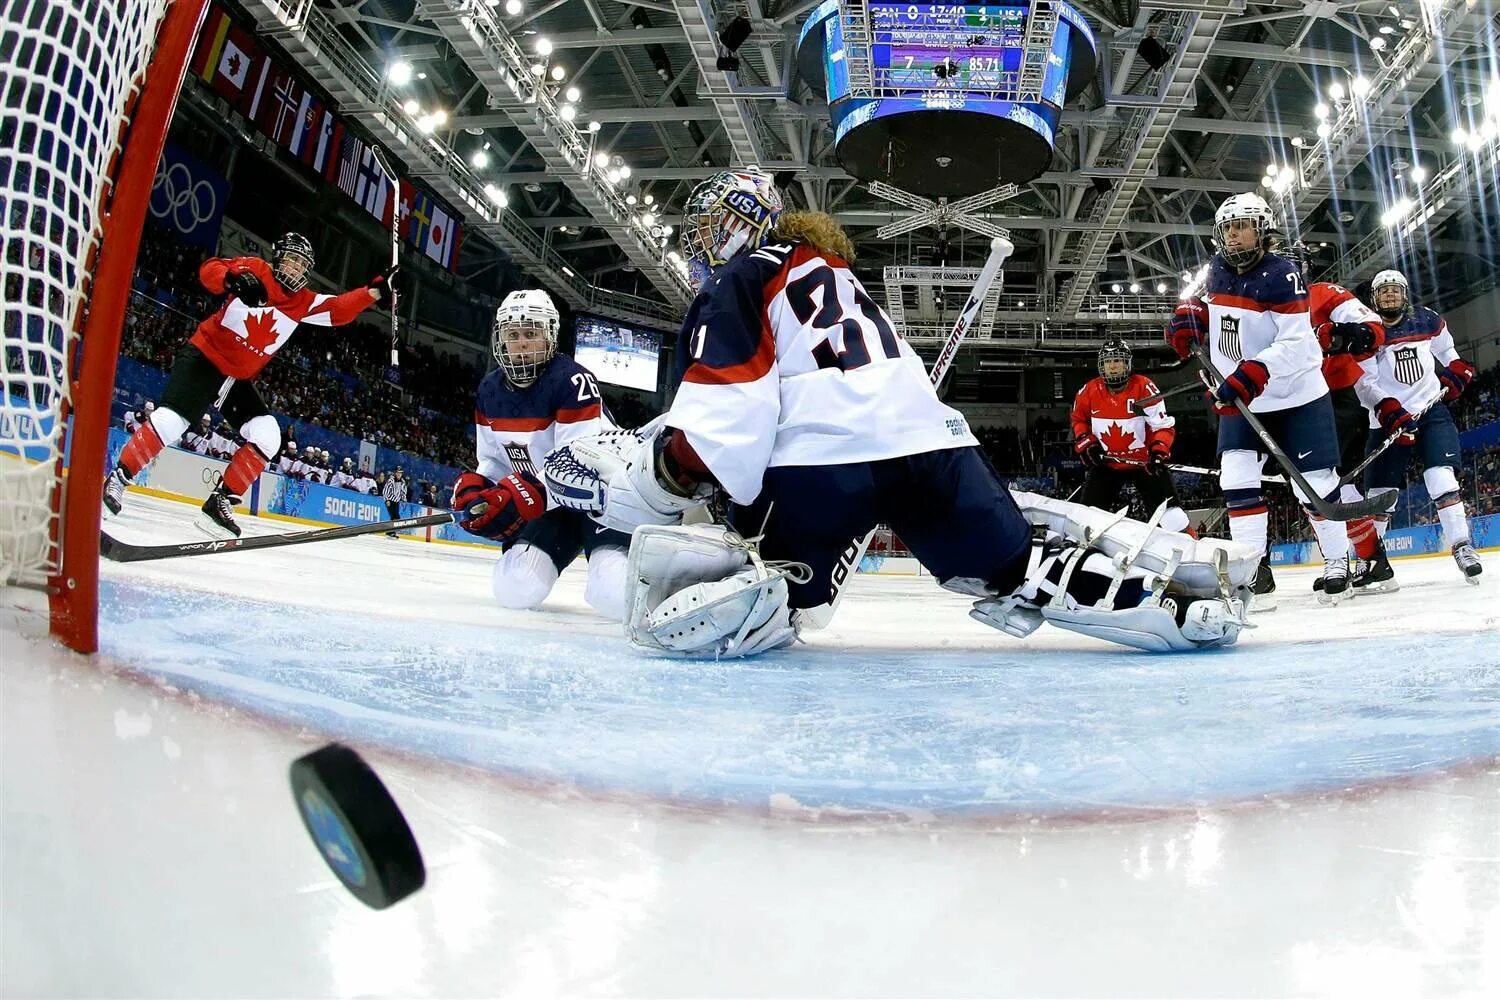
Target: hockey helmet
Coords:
[(526, 316), (1391, 278), (1240, 207), (1114, 349), (732, 211), (292, 261), (1298, 253)]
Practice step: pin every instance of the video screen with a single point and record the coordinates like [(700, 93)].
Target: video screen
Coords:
[(618, 354)]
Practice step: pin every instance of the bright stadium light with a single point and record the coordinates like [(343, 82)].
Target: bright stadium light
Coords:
[(1135, 289), (594, 127), (601, 160), (1418, 174), (558, 73), (1377, 43), (1161, 288), (1320, 111), (544, 47), (1115, 288), (630, 199), (567, 112), (411, 106), (1359, 86), (573, 94), (480, 159), (1324, 130), (1336, 91), (399, 73), (624, 171), (513, 7), (495, 195)]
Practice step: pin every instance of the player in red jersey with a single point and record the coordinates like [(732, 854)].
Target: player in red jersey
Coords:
[(264, 304), (1350, 333), (1120, 445)]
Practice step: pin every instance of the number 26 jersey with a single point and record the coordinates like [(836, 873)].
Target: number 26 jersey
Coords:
[(784, 359)]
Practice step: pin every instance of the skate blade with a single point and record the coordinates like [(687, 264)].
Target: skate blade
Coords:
[(1262, 603), (1384, 587), (1472, 581), (1328, 600), (212, 528)]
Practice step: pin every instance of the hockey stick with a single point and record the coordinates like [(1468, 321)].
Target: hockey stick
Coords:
[(1375, 503), (1198, 469), (395, 249), (115, 550), (1139, 405), (849, 559), (1353, 474)]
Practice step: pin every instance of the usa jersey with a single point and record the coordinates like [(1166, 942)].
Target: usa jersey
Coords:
[(1262, 315), (514, 428), (1406, 367), (1107, 415), (240, 339), (785, 360), (1330, 303)]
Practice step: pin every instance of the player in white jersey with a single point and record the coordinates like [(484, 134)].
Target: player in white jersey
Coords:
[(1253, 317), (344, 477), (800, 403), (1417, 370), (534, 401)]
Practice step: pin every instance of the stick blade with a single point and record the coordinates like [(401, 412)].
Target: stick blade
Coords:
[(1376, 503)]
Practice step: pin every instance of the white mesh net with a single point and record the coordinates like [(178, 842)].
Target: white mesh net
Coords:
[(69, 71)]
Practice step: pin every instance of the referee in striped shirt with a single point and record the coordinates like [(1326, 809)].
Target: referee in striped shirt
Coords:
[(394, 494)]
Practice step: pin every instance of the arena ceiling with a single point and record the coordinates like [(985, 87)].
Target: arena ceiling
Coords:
[(1143, 157)]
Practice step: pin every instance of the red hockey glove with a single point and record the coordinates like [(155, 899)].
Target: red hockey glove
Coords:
[(498, 510), (246, 287), (1189, 326), (1395, 419), (1158, 461), (1347, 338), (1244, 383), (1455, 378), (1089, 449), (386, 283)]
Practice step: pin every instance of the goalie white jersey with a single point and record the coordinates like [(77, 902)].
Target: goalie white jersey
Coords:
[(785, 360)]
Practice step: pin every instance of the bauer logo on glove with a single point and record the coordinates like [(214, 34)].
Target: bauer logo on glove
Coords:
[(498, 510)]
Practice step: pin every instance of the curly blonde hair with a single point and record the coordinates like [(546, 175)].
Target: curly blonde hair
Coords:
[(818, 230)]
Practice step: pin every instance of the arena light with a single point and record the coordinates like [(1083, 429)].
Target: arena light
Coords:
[(594, 127), (411, 106), (1161, 288), (624, 171), (1396, 212), (399, 73), (648, 199), (1271, 169), (1298, 142), (495, 195), (558, 73), (1336, 91), (601, 160), (1116, 288), (567, 112), (1135, 288), (439, 117), (480, 159), (513, 7), (573, 94), (537, 69), (544, 46), (630, 199), (1320, 111), (1418, 174), (1377, 43), (1359, 86), (1324, 130)]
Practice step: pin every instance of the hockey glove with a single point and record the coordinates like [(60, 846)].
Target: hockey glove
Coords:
[(498, 510), (1357, 339), (386, 283), (1244, 383), (246, 287), (1157, 464), (1395, 419), (1455, 378), (1189, 326), (1089, 450)]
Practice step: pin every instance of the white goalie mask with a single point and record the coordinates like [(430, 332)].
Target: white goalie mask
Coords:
[(1240, 207), (525, 335)]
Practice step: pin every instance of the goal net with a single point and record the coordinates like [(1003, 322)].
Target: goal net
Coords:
[(86, 92)]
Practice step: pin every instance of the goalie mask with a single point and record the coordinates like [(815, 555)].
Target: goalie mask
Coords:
[(1238, 251), (732, 211), (1391, 296), (525, 335), (292, 261), (1114, 363)]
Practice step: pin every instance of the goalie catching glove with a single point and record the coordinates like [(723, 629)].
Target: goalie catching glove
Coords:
[(498, 510), (623, 479)]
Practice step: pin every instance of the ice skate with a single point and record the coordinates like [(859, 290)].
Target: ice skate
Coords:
[(1263, 590), (114, 493), (216, 516), (1335, 582), (1374, 575), (1468, 562)]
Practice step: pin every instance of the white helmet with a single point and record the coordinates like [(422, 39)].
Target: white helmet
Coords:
[(1243, 206), (1390, 276), (525, 315)]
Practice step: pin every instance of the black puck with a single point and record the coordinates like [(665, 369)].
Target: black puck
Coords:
[(357, 826)]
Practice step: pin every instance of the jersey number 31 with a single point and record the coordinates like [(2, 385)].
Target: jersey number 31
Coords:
[(824, 299)]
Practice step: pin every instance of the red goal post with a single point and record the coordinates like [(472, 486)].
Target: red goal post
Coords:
[(87, 91)]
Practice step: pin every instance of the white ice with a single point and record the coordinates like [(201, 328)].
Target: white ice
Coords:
[(909, 804)]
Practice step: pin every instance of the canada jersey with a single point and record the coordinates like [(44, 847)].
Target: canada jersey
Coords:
[(1330, 303), (1262, 315), (1406, 366), (1121, 431), (785, 360), (514, 428), (240, 339)]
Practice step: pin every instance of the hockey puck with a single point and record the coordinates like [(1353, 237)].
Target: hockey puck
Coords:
[(357, 826)]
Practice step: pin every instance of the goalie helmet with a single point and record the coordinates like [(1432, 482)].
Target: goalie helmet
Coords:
[(732, 211), (525, 335), (292, 261), (1391, 278), (1234, 209), (1114, 349)]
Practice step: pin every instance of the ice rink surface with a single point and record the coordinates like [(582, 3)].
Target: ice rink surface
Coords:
[(908, 804)]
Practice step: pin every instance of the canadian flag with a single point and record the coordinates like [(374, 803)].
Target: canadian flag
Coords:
[(234, 64)]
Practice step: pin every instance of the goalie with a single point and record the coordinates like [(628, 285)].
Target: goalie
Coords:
[(798, 400)]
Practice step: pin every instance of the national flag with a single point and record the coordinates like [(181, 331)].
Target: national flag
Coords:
[(441, 231), (305, 129), (333, 159), (235, 62), (323, 148), (429, 225), (252, 95), (210, 44), (347, 175), (279, 109), (375, 188)]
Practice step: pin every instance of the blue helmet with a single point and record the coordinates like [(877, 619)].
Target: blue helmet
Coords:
[(732, 211)]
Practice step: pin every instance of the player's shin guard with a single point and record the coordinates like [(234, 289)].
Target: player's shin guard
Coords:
[(1248, 517), (1362, 537), (244, 468), (140, 451), (1454, 519)]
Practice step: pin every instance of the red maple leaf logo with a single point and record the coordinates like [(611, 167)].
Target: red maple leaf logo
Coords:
[(1116, 440), (260, 329)]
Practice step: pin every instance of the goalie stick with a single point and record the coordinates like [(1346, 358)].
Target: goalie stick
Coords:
[(1375, 503), (1000, 250), (115, 550)]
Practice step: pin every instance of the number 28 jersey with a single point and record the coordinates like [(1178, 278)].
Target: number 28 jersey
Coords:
[(784, 359)]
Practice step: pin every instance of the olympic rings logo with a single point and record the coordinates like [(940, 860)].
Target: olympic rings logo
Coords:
[(175, 191)]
